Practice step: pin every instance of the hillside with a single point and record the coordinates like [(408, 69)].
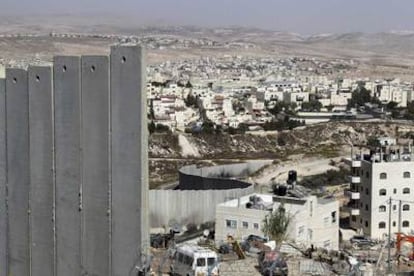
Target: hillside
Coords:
[(324, 141)]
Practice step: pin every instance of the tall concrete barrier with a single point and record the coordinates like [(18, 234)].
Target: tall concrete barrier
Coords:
[(130, 237), (73, 190), (66, 74), (41, 171), (95, 165), (18, 176), (3, 211)]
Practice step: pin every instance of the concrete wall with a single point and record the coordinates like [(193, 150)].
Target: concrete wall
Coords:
[(77, 201), (3, 211), (18, 178), (201, 189), (66, 74), (217, 177), (129, 146), (41, 171), (188, 206), (95, 164)]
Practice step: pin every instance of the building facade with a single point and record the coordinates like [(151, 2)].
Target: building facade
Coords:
[(382, 180), (314, 220)]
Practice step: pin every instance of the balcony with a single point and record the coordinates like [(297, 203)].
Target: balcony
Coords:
[(352, 194), (355, 195), (355, 179), (354, 163), (355, 212)]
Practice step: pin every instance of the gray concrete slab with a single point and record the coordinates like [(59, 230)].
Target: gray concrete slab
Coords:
[(66, 74), (41, 171), (130, 238), (95, 165), (3, 211), (18, 178)]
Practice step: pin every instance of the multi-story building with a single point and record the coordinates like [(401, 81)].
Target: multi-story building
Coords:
[(314, 220), (381, 180)]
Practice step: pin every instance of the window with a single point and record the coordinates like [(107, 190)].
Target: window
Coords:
[(188, 260), (366, 207), (406, 175), (405, 223), (333, 216), (383, 175), (406, 190), (395, 191), (382, 208), (366, 191), (366, 223), (406, 207), (201, 262), (394, 223), (256, 226), (180, 257), (245, 224), (394, 207), (381, 225), (211, 261), (231, 223), (382, 192), (367, 174)]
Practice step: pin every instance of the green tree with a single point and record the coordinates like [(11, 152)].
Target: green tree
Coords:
[(410, 111), (191, 100), (360, 96), (313, 105), (276, 224)]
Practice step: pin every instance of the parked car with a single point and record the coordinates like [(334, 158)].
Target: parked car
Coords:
[(361, 240)]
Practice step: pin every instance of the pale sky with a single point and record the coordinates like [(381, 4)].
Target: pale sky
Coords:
[(301, 16)]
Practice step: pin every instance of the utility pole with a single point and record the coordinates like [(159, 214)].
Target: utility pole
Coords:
[(399, 216), (389, 235)]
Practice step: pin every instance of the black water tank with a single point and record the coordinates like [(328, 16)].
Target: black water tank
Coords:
[(292, 177), (282, 190)]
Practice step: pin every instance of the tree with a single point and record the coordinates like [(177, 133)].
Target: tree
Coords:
[(276, 224), (313, 105), (360, 96), (190, 100)]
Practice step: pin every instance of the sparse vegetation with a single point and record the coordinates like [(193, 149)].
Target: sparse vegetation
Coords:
[(276, 224), (329, 178)]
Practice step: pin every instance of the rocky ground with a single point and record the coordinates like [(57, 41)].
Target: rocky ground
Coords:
[(323, 141)]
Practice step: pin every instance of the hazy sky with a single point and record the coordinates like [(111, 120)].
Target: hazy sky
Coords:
[(302, 16)]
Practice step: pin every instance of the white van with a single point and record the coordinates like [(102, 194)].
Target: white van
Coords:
[(194, 260)]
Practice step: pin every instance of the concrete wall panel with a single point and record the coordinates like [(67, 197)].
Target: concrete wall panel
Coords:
[(41, 171), (188, 206), (18, 170), (66, 73), (3, 211), (95, 165), (130, 238)]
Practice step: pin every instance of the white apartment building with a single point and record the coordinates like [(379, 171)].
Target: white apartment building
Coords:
[(296, 97), (377, 177), (397, 94), (314, 220)]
